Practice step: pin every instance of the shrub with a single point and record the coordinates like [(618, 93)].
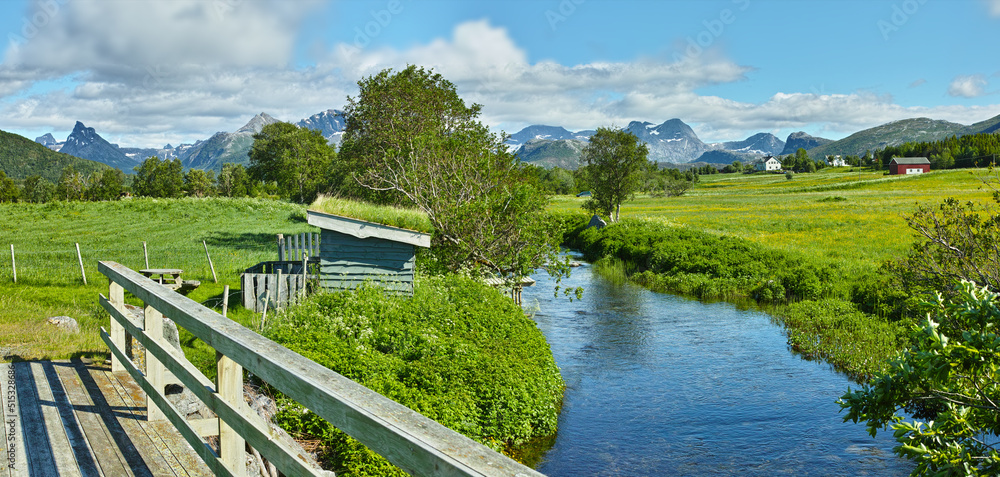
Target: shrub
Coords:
[(458, 352)]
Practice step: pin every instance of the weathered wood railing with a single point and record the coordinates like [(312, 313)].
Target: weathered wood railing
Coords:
[(409, 440)]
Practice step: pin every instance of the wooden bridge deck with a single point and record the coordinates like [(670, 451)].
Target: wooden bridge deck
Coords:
[(77, 418)]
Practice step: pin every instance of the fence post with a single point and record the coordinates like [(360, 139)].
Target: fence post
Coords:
[(154, 369), (214, 279), (145, 253), (225, 300), (229, 385), (116, 295), (80, 258), (13, 264), (281, 249)]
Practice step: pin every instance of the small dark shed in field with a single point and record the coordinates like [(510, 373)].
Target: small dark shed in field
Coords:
[(354, 251), (909, 165)]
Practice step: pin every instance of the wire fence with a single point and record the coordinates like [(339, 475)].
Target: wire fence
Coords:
[(27, 263)]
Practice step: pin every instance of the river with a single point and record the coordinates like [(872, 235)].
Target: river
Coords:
[(662, 385)]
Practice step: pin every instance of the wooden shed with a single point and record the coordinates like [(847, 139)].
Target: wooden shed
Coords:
[(354, 251), (909, 165)]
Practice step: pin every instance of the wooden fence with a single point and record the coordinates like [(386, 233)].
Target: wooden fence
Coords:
[(294, 247), (275, 284), (418, 445)]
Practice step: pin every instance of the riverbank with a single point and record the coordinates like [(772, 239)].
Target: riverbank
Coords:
[(815, 299)]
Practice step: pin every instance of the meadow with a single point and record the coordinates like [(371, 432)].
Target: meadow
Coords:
[(837, 213), (238, 233)]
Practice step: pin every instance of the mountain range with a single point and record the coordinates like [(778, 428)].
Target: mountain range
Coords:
[(672, 141), (208, 154)]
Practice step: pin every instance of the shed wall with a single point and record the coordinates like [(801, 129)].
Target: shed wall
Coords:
[(347, 262)]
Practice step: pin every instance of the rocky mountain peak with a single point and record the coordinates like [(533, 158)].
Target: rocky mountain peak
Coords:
[(257, 123)]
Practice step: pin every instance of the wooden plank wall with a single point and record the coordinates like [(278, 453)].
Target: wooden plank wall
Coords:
[(261, 288), (347, 262)]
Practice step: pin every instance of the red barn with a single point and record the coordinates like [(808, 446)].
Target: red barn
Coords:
[(909, 165)]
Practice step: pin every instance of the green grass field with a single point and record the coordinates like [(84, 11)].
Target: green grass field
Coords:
[(835, 213), (239, 233)]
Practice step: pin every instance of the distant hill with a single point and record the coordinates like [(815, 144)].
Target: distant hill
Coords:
[(894, 134), (85, 143), (539, 131), (763, 144), (549, 153), (722, 156), (21, 157), (800, 140), (225, 147)]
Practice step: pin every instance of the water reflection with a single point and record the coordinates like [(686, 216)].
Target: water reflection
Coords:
[(661, 385)]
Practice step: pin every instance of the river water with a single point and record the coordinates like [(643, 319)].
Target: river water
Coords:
[(661, 385)]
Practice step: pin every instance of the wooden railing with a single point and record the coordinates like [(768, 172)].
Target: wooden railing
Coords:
[(409, 440)]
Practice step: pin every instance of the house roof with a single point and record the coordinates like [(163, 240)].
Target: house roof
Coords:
[(363, 229), (909, 160)]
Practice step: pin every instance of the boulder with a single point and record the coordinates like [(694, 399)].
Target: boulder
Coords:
[(66, 323), (596, 221)]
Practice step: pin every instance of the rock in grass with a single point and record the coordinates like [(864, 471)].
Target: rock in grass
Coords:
[(66, 323), (596, 221)]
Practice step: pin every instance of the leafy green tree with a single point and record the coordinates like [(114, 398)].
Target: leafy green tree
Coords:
[(36, 189), (949, 380), (9, 192), (411, 137), (72, 185), (299, 160), (156, 178), (233, 181), (108, 184), (198, 183), (615, 159)]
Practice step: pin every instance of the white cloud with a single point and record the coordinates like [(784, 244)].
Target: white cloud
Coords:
[(140, 88), (968, 86), (917, 83)]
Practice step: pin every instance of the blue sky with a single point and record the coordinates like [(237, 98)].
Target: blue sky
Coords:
[(145, 73)]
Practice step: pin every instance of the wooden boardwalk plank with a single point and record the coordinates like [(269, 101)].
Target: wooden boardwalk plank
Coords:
[(176, 452), (47, 435), (80, 419), (131, 417), (16, 462), (114, 451)]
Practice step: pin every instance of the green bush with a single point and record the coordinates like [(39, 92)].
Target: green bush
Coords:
[(827, 312), (458, 352)]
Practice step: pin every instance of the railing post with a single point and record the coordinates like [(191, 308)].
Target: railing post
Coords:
[(154, 369), (229, 384), (116, 295)]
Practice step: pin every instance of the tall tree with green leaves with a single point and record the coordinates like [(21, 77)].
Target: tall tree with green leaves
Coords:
[(410, 135), (108, 184), (614, 160), (233, 181), (156, 178), (9, 192), (199, 183), (72, 185), (299, 160)]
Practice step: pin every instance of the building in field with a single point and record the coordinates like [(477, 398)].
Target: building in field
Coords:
[(766, 164), (836, 161), (909, 165), (354, 251)]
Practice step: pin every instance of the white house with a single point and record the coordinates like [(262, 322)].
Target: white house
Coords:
[(836, 161), (768, 163)]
